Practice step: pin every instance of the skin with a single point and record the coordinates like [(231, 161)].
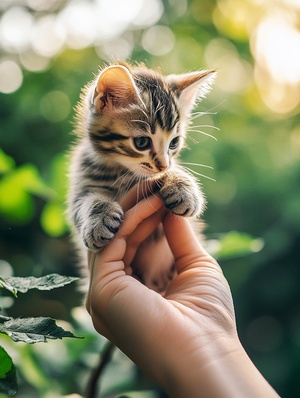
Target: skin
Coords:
[(185, 339)]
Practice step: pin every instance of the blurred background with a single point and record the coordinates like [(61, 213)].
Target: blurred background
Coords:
[(49, 49)]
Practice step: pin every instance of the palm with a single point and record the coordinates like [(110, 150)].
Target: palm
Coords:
[(199, 284), (204, 290)]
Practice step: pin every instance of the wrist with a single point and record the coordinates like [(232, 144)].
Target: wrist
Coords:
[(220, 369)]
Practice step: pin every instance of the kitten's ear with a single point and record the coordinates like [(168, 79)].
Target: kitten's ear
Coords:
[(191, 87), (114, 88)]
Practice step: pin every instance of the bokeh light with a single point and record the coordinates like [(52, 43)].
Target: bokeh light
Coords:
[(272, 30), (79, 22), (43, 5), (149, 14), (34, 62), (55, 106), (118, 48), (234, 74), (158, 40), (11, 76), (276, 47), (15, 29), (48, 36)]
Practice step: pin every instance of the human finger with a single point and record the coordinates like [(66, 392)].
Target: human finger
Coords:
[(108, 277), (111, 261), (115, 251), (184, 243), (136, 194), (141, 233), (135, 215)]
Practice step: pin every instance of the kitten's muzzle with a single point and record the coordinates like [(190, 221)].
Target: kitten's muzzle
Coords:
[(159, 167)]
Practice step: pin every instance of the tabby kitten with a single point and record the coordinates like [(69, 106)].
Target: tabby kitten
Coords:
[(132, 124)]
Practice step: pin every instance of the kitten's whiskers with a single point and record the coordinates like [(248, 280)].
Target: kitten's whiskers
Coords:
[(192, 139), (206, 125), (192, 130), (198, 174), (197, 164), (195, 115), (121, 181)]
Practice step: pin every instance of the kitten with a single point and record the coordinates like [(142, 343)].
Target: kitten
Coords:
[(132, 125)]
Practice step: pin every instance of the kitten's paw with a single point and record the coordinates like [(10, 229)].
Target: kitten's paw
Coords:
[(101, 225), (183, 200)]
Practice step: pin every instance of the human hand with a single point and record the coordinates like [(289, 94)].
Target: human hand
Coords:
[(184, 339)]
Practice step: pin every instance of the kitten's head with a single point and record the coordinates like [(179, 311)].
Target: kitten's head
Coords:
[(138, 118)]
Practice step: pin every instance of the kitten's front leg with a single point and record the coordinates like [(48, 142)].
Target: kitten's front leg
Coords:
[(181, 193), (97, 220)]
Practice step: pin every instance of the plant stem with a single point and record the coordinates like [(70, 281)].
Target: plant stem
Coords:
[(93, 383)]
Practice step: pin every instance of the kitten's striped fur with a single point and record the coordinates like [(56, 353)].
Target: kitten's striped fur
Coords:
[(131, 125)]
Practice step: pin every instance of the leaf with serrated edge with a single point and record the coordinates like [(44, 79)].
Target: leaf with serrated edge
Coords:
[(32, 330), (5, 285), (48, 282)]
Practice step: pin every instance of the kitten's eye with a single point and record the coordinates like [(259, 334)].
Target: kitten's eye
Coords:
[(142, 143), (174, 143)]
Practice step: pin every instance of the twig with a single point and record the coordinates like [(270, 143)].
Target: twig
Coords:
[(93, 383)]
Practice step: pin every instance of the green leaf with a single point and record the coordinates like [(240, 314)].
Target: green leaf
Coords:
[(8, 378), (236, 244), (47, 282), (53, 219), (32, 182), (6, 363), (32, 330), (33, 370), (6, 162), (5, 285), (58, 180), (16, 190), (15, 203)]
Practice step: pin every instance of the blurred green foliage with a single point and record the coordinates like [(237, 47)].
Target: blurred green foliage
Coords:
[(255, 162)]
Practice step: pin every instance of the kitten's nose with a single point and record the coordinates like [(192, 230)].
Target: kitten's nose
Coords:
[(162, 167), (162, 164)]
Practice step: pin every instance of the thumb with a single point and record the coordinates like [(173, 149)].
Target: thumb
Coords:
[(183, 242)]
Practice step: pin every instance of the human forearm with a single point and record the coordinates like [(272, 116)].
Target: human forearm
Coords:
[(220, 370)]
